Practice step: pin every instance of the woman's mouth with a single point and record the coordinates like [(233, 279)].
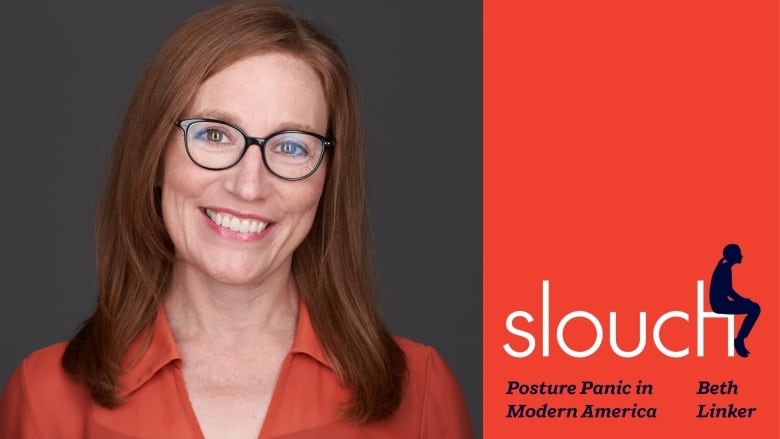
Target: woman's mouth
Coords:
[(234, 223)]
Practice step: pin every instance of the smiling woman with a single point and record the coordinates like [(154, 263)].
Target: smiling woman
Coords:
[(263, 93), (235, 283)]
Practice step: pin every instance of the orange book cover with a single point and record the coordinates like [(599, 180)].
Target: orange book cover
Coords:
[(626, 146)]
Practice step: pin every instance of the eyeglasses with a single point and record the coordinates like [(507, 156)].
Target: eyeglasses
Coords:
[(217, 145)]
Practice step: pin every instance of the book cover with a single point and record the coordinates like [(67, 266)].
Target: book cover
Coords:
[(631, 170)]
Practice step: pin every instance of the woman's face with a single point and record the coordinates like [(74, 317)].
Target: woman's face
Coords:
[(260, 94)]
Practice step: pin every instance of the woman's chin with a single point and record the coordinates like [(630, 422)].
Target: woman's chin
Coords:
[(233, 277)]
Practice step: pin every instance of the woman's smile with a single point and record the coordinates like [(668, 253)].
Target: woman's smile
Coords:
[(236, 223), (236, 226)]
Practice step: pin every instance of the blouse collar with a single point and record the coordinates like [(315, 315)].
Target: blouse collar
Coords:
[(161, 349)]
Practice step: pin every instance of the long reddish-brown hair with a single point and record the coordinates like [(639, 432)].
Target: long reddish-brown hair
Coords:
[(332, 266)]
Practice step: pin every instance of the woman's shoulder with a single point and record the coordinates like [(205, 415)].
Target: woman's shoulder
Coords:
[(426, 366), (422, 359), (45, 361), (38, 390), (418, 355), (433, 391), (41, 371)]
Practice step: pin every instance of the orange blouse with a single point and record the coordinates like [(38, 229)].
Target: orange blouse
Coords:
[(41, 401)]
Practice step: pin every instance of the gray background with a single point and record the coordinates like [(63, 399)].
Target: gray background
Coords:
[(68, 70)]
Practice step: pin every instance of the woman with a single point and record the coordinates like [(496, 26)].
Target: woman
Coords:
[(233, 262)]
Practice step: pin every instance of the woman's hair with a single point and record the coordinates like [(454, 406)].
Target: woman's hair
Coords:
[(332, 266)]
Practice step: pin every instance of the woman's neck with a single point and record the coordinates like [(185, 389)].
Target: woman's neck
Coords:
[(205, 312)]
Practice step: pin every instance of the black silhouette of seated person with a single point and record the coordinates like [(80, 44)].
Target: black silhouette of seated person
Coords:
[(724, 300)]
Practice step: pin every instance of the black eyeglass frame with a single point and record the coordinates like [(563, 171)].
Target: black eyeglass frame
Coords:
[(185, 124)]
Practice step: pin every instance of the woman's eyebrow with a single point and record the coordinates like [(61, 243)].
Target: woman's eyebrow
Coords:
[(295, 126), (218, 115), (235, 120)]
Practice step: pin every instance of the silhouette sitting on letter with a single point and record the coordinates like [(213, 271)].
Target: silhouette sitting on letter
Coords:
[(724, 300)]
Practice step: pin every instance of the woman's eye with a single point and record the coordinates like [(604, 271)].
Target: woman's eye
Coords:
[(290, 147), (214, 136)]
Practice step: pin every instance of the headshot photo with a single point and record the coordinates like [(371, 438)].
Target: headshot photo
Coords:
[(263, 220)]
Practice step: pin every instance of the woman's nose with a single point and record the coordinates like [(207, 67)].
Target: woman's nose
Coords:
[(250, 179)]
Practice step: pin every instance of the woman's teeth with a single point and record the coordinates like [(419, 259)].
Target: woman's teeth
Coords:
[(236, 224)]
